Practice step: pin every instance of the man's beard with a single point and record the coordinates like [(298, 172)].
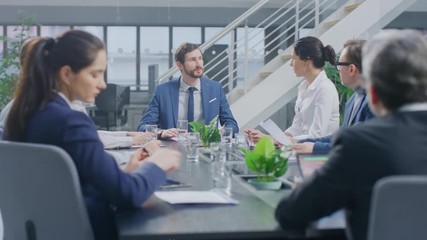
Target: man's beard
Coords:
[(193, 73)]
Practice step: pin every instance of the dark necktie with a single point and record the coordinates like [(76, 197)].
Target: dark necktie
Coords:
[(190, 111)]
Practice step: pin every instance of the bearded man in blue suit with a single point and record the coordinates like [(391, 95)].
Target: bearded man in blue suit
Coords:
[(356, 108), (190, 97)]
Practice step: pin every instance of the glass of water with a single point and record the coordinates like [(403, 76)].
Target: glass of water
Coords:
[(227, 135), (182, 130), (221, 174), (151, 128), (193, 143)]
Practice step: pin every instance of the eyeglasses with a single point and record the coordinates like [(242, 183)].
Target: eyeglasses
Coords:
[(339, 65)]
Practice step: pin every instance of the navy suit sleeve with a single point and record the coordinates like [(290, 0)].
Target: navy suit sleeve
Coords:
[(98, 170), (321, 147), (152, 114), (226, 118), (327, 190)]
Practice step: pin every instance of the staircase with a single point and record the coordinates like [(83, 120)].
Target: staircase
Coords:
[(267, 96), (274, 84)]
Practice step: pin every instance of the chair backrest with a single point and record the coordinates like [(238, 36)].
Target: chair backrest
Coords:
[(113, 98), (398, 208), (40, 195)]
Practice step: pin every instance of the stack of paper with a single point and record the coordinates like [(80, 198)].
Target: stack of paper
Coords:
[(193, 197)]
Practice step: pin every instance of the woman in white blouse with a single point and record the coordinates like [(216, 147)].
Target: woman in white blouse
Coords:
[(317, 105)]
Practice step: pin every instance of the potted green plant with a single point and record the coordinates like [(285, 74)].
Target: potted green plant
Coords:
[(268, 162), (208, 133)]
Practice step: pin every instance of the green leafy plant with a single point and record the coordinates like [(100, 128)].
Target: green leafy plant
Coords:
[(268, 162), (208, 133), (9, 59)]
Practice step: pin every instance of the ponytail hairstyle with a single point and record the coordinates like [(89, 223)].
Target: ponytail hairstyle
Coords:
[(40, 73), (311, 48)]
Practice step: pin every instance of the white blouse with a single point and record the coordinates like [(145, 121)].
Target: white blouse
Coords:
[(316, 109)]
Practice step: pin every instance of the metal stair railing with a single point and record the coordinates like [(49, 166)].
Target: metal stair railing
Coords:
[(283, 27), (218, 36)]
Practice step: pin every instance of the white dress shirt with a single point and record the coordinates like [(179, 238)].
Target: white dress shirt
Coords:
[(183, 101), (110, 140), (316, 109)]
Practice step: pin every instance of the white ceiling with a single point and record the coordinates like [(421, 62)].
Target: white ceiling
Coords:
[(420, 5), (139, 3)]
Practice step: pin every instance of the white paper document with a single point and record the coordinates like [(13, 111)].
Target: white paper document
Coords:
[(275, 132), (193, 197)]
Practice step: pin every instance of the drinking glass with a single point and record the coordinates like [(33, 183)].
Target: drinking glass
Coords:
[(221, 173), (227, 135), (214, 148), (193, 143), (151, 128), (182, 130)]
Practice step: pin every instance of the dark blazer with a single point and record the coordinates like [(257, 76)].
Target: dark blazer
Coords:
[(363, 113), (361, 155), (163, 107), (103, 184)]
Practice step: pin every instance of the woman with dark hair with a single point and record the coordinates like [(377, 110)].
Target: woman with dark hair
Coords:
[(54, 73), (317, 105)]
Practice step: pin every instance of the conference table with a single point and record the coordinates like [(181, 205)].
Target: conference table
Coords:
[(251, 218)]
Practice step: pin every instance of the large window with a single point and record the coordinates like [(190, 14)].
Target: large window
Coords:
[(97, 31), (1, 42), (15, 32), (212, 31), (53, 31), (121, 48), (186, 34), (154, 45)]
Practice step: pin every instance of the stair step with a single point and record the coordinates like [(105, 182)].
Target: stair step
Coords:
[(351, 7), (331, 23), (286, 57), (264, 74)]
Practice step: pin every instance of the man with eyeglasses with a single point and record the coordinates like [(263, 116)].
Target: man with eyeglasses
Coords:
[(191, 97), (357, 110), (393, 143)]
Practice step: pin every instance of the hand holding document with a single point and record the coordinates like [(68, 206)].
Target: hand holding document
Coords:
[(276, 132)]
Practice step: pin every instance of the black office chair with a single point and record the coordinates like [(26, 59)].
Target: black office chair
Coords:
[(398, 208), (109, 103)]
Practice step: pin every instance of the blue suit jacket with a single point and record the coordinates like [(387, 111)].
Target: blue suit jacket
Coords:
[(363, 113), (163, 107), (103, 183)]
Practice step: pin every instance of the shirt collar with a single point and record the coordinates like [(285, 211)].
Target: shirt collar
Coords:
[(316, 81), (184, 86), (62, 95)]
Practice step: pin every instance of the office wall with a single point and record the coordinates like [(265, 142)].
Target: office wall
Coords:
[(153, 16), (159, 16)]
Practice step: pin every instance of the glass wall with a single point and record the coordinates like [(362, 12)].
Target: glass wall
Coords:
[(95, 30), (154, 45), (1, 42), (53, 31), (121, 50)]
